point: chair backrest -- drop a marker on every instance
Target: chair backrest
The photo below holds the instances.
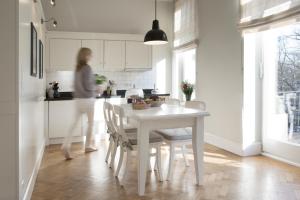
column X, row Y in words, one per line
column 171, row 101
column 196, row 105
column 118, row 122
column 108, row 116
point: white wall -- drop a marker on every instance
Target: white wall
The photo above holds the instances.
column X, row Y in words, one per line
column 31, row 101
column 219, row 70
column 8, row 100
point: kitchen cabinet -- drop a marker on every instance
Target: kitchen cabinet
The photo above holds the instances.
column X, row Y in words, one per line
column 63, row 54
column 111, row 54
column 62, row 114
column 138, row 56
column 97, row 48
column 114, row 55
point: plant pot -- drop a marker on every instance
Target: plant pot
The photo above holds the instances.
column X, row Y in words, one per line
column 188, row 97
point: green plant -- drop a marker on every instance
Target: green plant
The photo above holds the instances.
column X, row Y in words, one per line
column 188, row 89
column 100, row 79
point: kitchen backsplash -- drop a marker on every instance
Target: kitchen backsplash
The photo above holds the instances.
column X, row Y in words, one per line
column 124, row 80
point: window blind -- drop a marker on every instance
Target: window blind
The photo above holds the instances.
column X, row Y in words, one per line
column 185, row 22
column 260, row 12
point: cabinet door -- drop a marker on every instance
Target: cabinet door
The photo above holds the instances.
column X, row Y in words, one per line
column 97, row 48
column 138, row 55
column 62, row 115
column 63, row 54
column 114, row 55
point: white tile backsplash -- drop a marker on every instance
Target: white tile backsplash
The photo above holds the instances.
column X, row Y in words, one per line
column 124, row 80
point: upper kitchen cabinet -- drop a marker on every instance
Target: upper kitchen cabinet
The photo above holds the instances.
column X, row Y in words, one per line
column 63, row 54
column 114, row 55
column 97, row 48
column 138, row 56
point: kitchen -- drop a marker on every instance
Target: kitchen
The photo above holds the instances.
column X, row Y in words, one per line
column 184, row 101
column 119, row 58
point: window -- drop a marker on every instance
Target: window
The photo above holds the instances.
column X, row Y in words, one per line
column 185, row 43
column 184, row 70
column 276, row 55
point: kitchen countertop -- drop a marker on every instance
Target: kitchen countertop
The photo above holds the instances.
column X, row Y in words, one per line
column 66, row 96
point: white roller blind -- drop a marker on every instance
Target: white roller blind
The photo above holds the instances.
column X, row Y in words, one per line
column 185, row 22
column 257, row 12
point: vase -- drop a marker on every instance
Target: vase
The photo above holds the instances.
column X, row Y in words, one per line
column 188, row 97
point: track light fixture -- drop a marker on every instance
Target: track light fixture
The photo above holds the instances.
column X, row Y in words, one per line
column 54, row 22
column 52, row 2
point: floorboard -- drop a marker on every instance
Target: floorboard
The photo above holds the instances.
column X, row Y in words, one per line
column 227, row 177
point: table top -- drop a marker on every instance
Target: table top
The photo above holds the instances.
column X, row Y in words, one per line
column 165, row 111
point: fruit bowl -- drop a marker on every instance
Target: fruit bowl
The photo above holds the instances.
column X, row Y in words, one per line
column 140, row 106
column 156, row 103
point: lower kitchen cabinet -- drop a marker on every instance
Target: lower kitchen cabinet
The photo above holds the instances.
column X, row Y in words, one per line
column 62, row 114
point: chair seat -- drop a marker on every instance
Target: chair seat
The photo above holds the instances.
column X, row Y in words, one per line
column 128, row 128
column 176, row 134
column 153, row 138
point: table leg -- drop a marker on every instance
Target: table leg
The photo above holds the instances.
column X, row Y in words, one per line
column 198, row 148
column 143, row 156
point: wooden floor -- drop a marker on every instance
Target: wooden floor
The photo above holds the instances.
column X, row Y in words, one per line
column 227, row 176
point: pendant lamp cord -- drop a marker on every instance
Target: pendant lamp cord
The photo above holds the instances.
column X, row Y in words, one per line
column 155, row 8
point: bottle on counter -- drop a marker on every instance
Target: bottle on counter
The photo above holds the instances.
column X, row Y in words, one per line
column 50, row 91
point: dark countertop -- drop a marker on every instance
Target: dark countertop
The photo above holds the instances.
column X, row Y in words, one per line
column 66, row 96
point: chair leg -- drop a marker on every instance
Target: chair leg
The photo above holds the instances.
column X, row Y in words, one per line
column 171, row 159
column 120, row 162
column 149, row 164
column 109, row 150
column 155, row 164
column 158, row 163
column 183, row 149
column 113, row 154
column 149, row 161
column 128, row 161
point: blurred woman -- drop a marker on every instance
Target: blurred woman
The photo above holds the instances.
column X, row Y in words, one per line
column 85, row 94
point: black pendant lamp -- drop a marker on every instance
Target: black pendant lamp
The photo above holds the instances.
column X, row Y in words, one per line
column 155, row 36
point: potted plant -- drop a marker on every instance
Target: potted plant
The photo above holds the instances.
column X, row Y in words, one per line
column 101, row 83
column 187, row 89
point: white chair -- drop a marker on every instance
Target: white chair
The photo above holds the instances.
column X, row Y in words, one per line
column 113, row 140
column 172, row 101
column 128, row 143
column 179, row 137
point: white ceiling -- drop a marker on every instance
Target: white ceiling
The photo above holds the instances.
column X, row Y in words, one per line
column 106, row 16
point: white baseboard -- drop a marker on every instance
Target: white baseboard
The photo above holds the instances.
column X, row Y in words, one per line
column 233, row 147
column 253, row 149
column 280, row 159
column 223, row 144
column 61, row 140
column 31, row 183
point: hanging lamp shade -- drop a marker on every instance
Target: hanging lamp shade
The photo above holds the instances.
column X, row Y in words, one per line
column 155, row 36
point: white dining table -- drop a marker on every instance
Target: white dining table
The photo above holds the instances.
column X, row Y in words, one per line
column 167, row 117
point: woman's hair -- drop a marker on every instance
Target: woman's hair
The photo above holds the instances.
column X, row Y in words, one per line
column 82, row 58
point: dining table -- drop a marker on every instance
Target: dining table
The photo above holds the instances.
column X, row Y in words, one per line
column 166, row 117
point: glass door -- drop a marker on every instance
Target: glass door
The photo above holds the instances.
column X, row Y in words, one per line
column 281, row 92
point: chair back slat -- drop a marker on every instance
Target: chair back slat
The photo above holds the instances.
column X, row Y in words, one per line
column 173, row 101
column 108, row 114
column 196, row 105
column 118, row 123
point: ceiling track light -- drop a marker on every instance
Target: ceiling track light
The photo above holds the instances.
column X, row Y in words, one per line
column 52, row 3
column 54, row 22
